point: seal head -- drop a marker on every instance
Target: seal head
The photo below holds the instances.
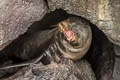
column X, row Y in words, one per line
column 76, row 37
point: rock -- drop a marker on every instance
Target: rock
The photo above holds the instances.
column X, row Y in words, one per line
column 16, row 16
column 66, row 70
column 104, row 13
column 105, row 62
column 117, row 50
column 101, row 56
column 116, row 72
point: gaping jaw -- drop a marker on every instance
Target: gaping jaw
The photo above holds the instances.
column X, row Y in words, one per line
column 69, row 34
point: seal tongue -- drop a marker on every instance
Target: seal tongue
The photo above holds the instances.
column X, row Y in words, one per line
column 69, row 34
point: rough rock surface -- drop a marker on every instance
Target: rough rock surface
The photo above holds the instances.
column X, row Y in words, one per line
column 101, row 55
column 16, row 16
column 116, row 72
column 104, row 13
column 66, row 70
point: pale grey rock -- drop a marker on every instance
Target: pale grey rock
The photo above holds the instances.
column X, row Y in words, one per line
column 104, row 13
column 66, row 70
column 116, row 72
column 16, row 16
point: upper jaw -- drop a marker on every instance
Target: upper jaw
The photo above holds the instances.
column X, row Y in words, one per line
column 70, row 35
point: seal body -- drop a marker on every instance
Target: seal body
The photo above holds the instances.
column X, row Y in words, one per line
column 29, row 46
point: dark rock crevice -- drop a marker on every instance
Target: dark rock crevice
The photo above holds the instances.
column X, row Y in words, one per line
column 100, row 54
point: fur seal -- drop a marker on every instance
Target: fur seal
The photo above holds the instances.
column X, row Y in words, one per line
column 71, row 40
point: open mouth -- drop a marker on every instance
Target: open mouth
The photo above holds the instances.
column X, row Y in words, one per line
column 70, row 35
